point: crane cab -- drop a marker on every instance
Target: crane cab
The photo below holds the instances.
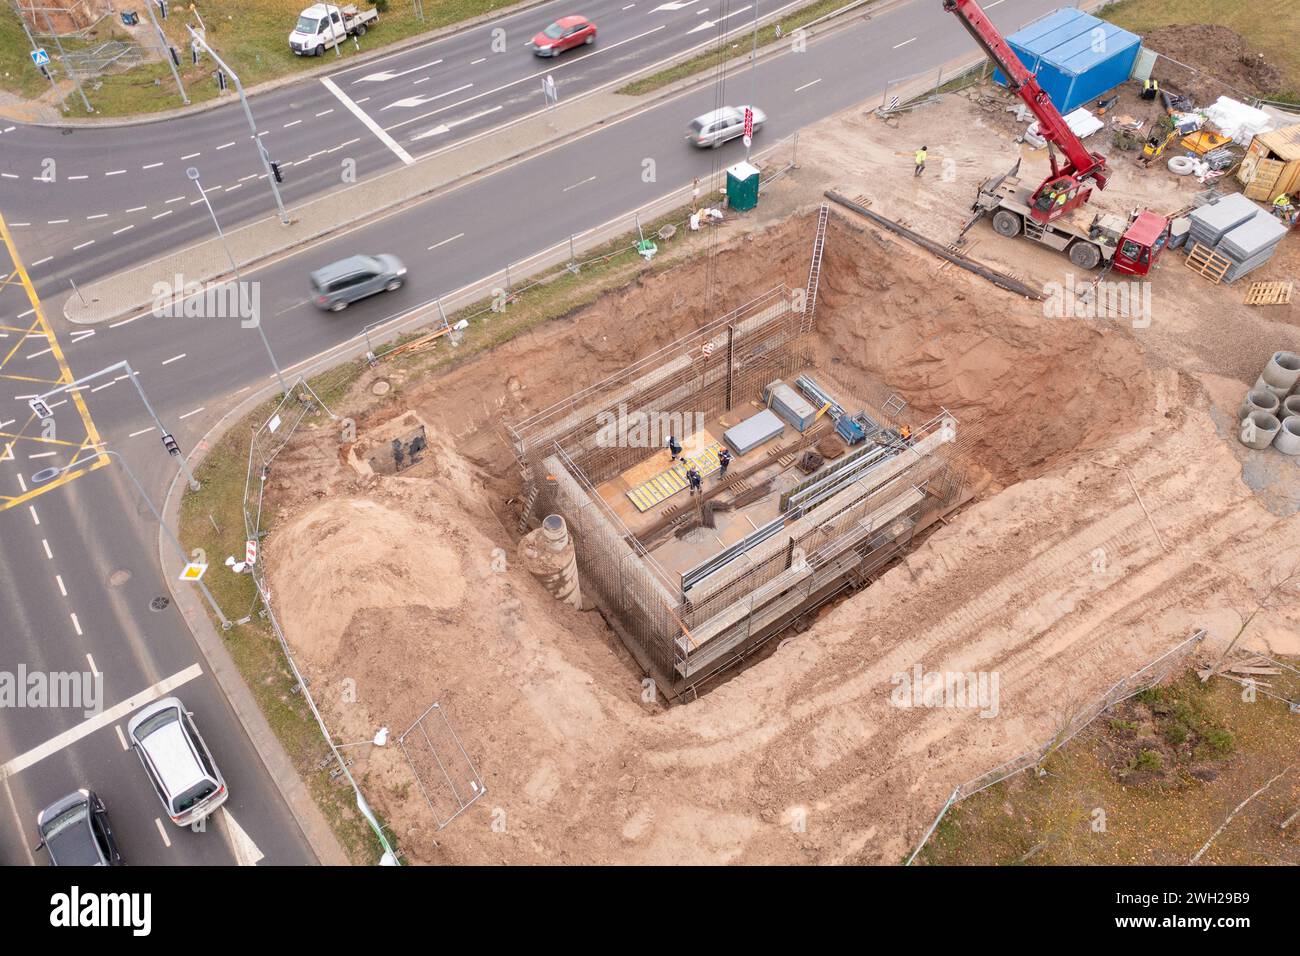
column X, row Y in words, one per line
column 1141, row 244
column 1058, row 196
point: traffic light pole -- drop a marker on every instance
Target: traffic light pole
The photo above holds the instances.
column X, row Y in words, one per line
column 167, row 52
column 252, row 124
column 168, row 442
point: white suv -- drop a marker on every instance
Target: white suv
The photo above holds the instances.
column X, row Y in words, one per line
column 177, row 761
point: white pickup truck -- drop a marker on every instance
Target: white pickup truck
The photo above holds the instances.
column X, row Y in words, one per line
column 323, row 25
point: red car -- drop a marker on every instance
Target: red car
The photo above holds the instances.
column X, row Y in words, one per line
column 564, row 34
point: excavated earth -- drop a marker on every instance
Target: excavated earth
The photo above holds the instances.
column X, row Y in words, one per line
column 1063, row 576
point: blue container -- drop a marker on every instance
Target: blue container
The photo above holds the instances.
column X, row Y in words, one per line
column 1076, row 57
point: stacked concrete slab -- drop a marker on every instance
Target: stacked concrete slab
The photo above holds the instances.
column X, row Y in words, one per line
column 1239, row 230
column 1251, row 244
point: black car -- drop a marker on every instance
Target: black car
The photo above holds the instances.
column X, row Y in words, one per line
column 75, row 831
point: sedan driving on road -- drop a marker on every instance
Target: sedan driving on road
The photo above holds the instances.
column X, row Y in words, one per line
column 564, row 34
column 341, row 283
column 75, row 831
column 714, row 129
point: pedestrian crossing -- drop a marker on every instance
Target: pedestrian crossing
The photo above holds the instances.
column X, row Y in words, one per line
column 672, row 480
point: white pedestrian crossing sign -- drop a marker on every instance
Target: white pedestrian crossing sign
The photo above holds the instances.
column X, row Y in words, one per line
column 40, row 57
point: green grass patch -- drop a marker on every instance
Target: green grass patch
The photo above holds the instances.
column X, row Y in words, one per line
column 1271, row 32
column 738, row 49
column 1147, row 784
column 250, row 35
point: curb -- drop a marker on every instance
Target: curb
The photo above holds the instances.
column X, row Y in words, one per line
column 380, row 208
column 286, row 777
column 268, row 86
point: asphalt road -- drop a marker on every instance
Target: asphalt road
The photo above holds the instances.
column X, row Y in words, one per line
column 108, row 193
column 195, row 369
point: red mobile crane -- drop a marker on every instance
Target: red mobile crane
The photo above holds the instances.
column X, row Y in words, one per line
column 1052, row 214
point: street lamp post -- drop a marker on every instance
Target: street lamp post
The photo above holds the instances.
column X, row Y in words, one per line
column 131, row 376
column 49, row 474
column 193, row 173
column 252, row 124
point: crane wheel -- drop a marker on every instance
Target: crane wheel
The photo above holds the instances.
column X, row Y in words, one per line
column 1006, row 223
column 1085, row 255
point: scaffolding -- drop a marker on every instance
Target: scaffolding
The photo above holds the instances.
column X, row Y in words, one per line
column 841, row 528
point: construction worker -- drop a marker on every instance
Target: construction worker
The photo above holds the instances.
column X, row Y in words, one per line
column 695, row 480
column 1283, row 207
column 920, row 160
column 905, row 433
column 674, row 448
column 1150, row 88
column 724, row 459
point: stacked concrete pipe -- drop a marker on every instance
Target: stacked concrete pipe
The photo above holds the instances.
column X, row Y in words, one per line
column 1280, row 374
column 1266, row 427
column 1288, row 436
column 1259, row 400
column 1290, row 406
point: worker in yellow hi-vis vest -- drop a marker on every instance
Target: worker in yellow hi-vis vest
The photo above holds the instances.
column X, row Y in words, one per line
column 920, row 160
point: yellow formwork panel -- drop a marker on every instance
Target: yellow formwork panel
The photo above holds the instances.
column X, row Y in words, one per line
column 672, row 480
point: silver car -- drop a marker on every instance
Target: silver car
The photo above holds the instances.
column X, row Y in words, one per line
column 177, row 761
column 715, row 128
column 341, row 283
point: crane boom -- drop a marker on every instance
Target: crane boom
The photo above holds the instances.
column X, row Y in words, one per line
column 1081, row 164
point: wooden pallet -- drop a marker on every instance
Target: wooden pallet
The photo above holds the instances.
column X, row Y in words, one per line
column 1269, row 293
column 1205, row 261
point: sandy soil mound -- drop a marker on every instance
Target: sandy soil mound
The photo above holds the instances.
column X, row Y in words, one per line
column 1220, row 52
column 348, row 558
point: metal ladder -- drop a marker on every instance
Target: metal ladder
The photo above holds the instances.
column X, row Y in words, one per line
column 815, row 270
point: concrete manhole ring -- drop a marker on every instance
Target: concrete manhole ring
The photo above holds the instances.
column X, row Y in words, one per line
column 119, row 577
column 160, row 604
column 381, row 386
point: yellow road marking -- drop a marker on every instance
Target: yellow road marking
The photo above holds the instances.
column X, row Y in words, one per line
column 65, row 378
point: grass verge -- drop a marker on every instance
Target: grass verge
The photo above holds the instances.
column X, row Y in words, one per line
column 1146, row 783
column 738, row 50
column 213, row 518
column 250, row 35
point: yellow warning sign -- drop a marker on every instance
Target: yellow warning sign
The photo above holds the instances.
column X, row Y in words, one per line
column 193, row 571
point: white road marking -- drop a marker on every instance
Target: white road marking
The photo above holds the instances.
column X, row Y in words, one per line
column 325, row 112
column 82, row 335
column 113, row 325
column 800, row 89
column 481, row 59
column 174, row 358
column 35, row 516
column 91, row 661
column 98, row 215
column 576, row 185
column 115, row 172
column 40, row 353
column 143, row 431
column 100, row 388
column 631, row 5
column 242, row 847
column 62, row 590
column 338, row 147
column 370, row 124
column 445, row 241
column 248, row 177
column 167, row 213
column 76, row 623
column 386, row 75
column 48, row 553
column 14, row 175
column 137, row 208
column 118, row 232
column 423, row 79
column 188, row 414
column 990, row 6
column 55, row 222
column 231, row 189
column 162, row 832
column 121, row 737
column 711, row 23
column 191, row 155
column 99, row 721
column 904, row 43
column 83, row 245
column 411, row 101
column 448, row 127
column 173, row 199
column 674, row 6
column 151, row 166
column 294, row 123
column 79, row 177
column 226, row 145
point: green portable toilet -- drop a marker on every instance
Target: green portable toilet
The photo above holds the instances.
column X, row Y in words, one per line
column 742, row 187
